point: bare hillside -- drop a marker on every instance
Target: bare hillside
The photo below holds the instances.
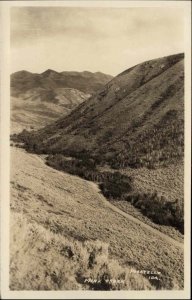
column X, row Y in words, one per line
column 38, row 107
column 38, row 99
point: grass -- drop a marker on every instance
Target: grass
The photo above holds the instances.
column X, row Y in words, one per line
column 167, row 182
column 156, row 147
column 162, row 210
column 43, row 260
column 72, row 207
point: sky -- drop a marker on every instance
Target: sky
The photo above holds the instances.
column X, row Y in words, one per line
column 109, row 40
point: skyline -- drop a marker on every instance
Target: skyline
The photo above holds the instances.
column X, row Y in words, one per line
column 108, row 40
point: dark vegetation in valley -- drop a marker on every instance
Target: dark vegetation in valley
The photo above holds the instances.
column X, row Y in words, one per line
column 159, row 146
column 113, row 185
column 120, row 187
column 159, row 209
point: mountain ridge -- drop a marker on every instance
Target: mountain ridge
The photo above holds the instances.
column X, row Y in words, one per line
column 134, row 104
column 25, row 80
column 38, row 99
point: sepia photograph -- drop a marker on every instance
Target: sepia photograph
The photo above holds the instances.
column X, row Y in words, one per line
column 97, row 114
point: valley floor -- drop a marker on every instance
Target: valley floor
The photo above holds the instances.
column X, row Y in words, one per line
column 62, row 207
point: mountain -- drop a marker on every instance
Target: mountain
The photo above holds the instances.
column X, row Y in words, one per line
column 128, row 139
column 135, row 120
column 38, row 99
column 86, row 82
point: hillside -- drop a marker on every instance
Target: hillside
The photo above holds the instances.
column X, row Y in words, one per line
column 121, row 157
column 64, row 231
column 38, row 99
column 38, row 107
column 136, row 120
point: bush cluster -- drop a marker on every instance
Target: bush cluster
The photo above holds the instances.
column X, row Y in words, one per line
column 113, row 185
column 159, row 209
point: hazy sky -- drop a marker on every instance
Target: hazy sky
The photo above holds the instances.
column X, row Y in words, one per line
column 109, row 40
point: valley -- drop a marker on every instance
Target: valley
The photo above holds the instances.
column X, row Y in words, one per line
column 104, row 180
column 61, row 206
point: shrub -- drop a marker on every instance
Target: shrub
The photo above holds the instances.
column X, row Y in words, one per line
column 158, row 209
column 116, row 186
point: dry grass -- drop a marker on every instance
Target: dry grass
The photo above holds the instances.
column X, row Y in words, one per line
column 168, row 182
column 74, row 208
column 42, row 260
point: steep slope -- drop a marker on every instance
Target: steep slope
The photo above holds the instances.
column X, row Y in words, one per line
column 59, row 223
column 135, row 120
column 133, row 124
column 38, row 99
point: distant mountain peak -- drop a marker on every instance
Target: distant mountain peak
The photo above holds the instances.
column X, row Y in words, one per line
column 49, row 72
column 86, row 81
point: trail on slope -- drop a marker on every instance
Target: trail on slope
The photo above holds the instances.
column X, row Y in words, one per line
column 144, row 225
column 119, row 211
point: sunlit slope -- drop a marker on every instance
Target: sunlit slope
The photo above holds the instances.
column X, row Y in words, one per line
column 74, row 208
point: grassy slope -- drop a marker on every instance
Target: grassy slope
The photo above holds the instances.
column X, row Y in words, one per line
column 73, row 208
column 43, row 260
